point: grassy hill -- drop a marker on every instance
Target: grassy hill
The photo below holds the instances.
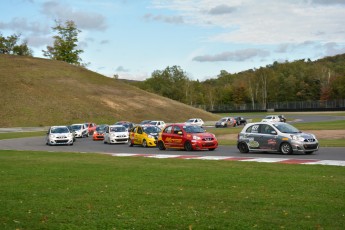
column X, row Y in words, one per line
column 41, row 92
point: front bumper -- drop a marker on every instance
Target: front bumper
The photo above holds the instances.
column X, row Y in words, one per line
column 199, row 145
column 304, row 147
column 60, row 141
column 118, row 140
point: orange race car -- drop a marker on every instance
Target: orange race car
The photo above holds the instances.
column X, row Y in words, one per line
column 98, row 134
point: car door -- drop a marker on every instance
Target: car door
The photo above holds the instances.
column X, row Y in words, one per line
column 139, row 136
column 167, row 136
column 267, row 138
column 177, row 137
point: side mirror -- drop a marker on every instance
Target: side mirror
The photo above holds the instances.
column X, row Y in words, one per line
column 274, row 132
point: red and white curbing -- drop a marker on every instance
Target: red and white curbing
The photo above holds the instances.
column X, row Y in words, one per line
column 245, row 159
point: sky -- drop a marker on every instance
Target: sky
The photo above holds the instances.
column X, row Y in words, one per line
column 133, row 38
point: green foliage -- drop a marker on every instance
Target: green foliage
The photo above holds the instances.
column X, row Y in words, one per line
column 65, row 43
column 300, row 80
column 9, row 45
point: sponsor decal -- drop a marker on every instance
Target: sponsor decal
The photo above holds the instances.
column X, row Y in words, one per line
column 285, row 138
column 253, row 144
column 171, row 140
column 272, row 142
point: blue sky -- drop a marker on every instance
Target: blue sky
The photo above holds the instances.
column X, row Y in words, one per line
column 133, row 38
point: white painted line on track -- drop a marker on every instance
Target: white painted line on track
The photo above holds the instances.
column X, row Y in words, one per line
column 229, row 158
column 214, row 158
column 162, row 156
column 267, row 160
column 326, row 162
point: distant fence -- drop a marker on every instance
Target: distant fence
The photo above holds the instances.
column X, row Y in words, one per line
column 332, row 105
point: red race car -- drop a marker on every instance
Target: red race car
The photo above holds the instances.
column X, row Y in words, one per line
column 187, row 137
column 91, row 127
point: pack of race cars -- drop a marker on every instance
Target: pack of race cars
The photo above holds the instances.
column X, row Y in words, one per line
column 265, row 136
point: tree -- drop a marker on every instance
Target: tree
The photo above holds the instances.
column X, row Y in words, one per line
column 172, row 82
column 10, row 45
column 65, row 43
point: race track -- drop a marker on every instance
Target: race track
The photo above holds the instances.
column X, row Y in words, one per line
column 330, row 156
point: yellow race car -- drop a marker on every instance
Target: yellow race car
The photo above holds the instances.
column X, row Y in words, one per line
column 144, row 135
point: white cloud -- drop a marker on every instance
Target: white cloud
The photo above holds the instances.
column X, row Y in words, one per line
column 239, row 55
column 266, row 21
column 83, row 19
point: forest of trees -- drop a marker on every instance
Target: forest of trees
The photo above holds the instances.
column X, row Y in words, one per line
column 300, row 80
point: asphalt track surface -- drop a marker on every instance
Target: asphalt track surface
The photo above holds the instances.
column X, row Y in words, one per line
column 87, row 145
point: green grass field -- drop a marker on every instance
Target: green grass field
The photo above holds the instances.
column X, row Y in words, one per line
column 44, row 190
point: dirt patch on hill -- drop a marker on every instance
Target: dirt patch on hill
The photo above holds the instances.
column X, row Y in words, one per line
column 320, row 134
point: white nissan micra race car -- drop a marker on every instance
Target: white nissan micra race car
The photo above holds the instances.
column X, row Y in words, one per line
column 116, row 134
column 59, row 135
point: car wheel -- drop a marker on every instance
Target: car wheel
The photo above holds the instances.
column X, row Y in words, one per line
column 243, row 147
column 310, row 152
column 188, row 146
column 130, row 143
column 212, row 149
column 226, row 125
column 285, row 148
column 144, row 144
column 161, row 145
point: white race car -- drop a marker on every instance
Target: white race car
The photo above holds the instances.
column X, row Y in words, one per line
column 116, row 134
column 80, row 130
column 59, row 135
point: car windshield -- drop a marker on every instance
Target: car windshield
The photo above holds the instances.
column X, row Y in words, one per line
column 223, row 119
column 59, row 130
column 76, row 127
column 268, row 117
column 118, row 129
column 100, row 128
column 190, row 120
column 151, row 129
column 286, row 128
column 153, row 123
column 193, row 129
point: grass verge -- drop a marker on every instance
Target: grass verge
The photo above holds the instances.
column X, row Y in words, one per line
column 12, row 135
column 44, row 190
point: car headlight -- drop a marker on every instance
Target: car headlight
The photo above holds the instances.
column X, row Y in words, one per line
column 297, row 138
column 196, row 138
column 222, row 123
column 52, row 136
column 150, row 136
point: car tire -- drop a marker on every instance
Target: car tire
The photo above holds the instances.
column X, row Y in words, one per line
column 188, row 146
column 144, row 144
column 212, row 149
column 160, row 145
column 310, row 152
column 243, row 147
column 285, row 148
column 130, row 143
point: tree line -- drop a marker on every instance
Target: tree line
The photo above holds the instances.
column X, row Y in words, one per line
column 300, row 80
column 64, row 47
